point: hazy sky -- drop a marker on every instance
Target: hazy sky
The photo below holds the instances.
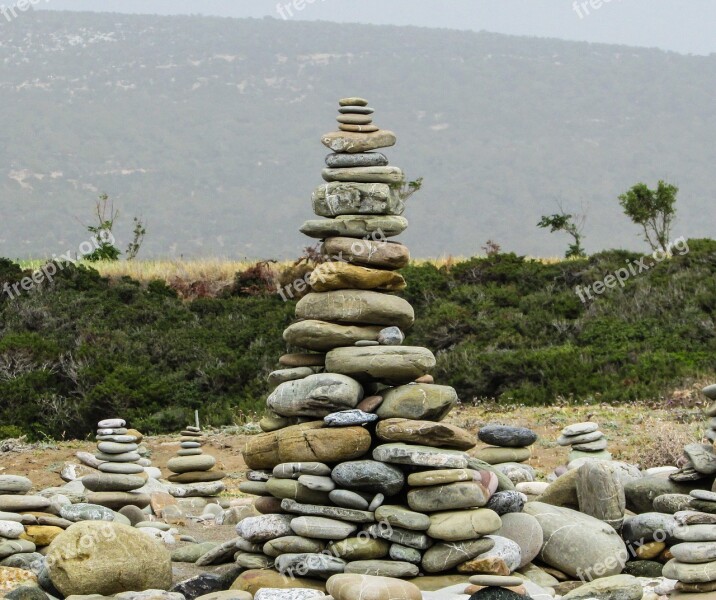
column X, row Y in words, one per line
column 681, row 25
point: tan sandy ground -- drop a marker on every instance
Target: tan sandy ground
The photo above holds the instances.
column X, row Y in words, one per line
column 636, row 432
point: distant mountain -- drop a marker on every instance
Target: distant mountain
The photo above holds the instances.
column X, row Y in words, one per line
column 209, row 128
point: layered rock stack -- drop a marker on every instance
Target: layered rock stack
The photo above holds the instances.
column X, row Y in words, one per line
column 710, row 392
column 356, row 471
column 694, row 554
column 586, row 442
column 121, row 468
column 508, row 448
column 191, row 465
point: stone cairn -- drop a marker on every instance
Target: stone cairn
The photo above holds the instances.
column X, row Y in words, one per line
column 710, row 392
column 355, row 460
column 586, row 442
column 191, row 465
column 508, row 449
column 121, row 467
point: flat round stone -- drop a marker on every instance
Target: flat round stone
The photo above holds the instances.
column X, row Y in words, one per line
column 182, row 464
column 369, row 476
column 14, row 484
column 580, row 428
column 350, row 128
column 121, row 468
column 111, row 424
column 189, row 452
column 353, row 101
column 495, row 580
column 348, row 418
column 383, row 568
column 357, row 110
column 507, row 436
column 703, row 495
column 354, row 119
column 125, row 457
column 365, row 159
column 116, row 448
column 294, row 469
column 355, row 226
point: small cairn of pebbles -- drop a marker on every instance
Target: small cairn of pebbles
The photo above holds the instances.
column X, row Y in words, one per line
column 121, row 467
column 191, row 465
column 694, row 551
column 710, row 392
column 586, row 442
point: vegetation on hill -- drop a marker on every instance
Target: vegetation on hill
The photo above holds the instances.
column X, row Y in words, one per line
column 208, row 129
column 84, row 347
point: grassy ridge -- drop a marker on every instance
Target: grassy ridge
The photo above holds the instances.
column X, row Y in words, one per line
column 504, row 328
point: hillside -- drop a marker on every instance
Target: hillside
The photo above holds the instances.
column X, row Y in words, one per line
column 503, row 329
column 209, row 129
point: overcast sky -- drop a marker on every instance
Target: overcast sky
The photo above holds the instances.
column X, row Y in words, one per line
column 685, row 26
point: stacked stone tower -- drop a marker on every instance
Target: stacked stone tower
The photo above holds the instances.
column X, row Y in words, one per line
column 356, row 471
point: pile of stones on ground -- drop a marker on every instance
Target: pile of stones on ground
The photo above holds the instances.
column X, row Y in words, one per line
column 359, row 488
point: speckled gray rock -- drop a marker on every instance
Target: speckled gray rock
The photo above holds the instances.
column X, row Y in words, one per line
column 369, row 476
column 263, row 528
column 341, row 198
column 507, row 436
column 690, row 573
column 364, row 159
column 315, row 396
column 355, row 226
column 86, row 512
column 506, row 550
column 584, row 438
column 695, row 533
column 276, row 378
column 364, row 175
column 355, row 143
column 507, row 502
column 19, row 503
column 420, row 456
column 319, row 483
column 355, row 306
column 391, row 336
column 672, row 503
column 349, row 418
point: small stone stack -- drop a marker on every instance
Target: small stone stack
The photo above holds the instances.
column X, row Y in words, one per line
column 494, row 586
column 121, row 468
column 710, row 392
column 191, row 465
column 694, row 554
column 586, row 442
column 698, row 462
column 356, row 473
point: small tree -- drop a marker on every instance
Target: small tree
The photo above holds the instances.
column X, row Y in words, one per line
column 654, row 210
column 138, row 238
column 570, row 225
column 106, row 217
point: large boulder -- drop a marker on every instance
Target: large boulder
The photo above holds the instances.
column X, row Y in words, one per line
column 578, row 544
column 94, row 557
column 315, row 396
column 356, row 306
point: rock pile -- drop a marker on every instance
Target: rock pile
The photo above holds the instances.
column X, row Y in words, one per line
column 357, row 472
column 586, row 442
column 191, row 465
column 710, row 392
column 121, row 468
column 508, row 448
